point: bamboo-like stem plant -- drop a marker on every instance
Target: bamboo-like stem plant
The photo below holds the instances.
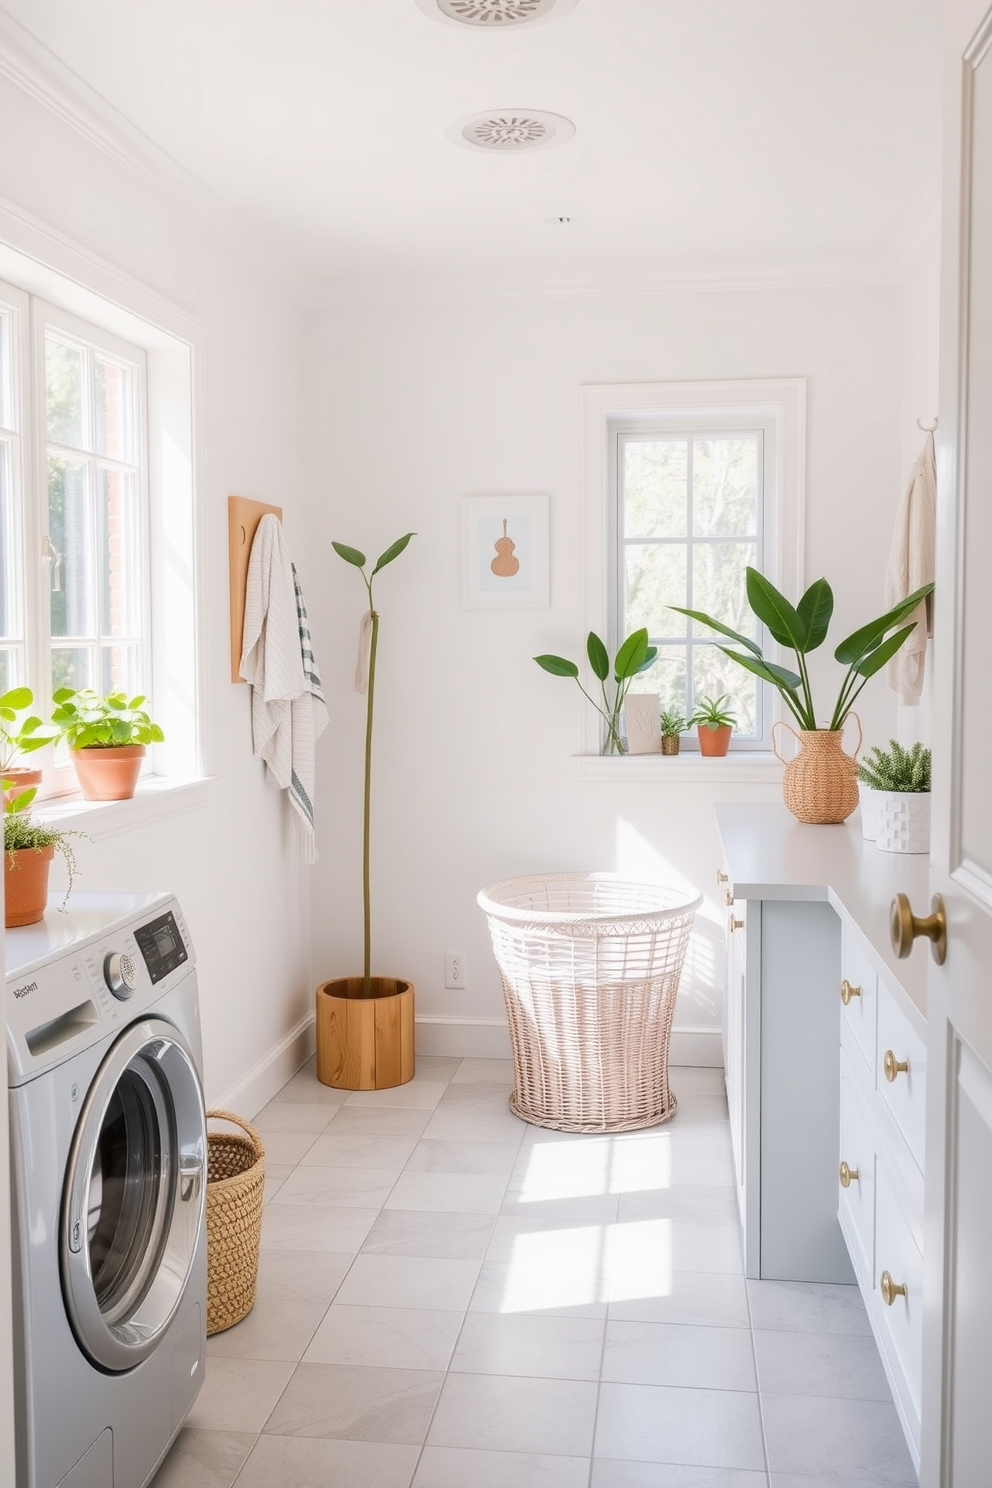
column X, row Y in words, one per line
column 634, row 656
column 358, row 560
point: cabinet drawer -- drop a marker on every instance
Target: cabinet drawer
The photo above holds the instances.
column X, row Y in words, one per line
column 900, row 1075
column 901, row 1320
column 859, row 996
column 856, row 1195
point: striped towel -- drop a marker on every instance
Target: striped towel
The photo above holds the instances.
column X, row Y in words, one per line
column 288, row 708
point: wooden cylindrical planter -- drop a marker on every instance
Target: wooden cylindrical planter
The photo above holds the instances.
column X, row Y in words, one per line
column 365, row 1043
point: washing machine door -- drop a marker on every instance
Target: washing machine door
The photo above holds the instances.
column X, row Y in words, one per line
column 132, row 1206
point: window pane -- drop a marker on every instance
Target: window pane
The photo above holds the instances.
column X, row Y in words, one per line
column 114, row 406
column 719, row 587
column 6, row 386
column 666, row 677
column 64, row 392
column 725, row 487
column 654, row 486
column 655, row 577
column 714, row 673
column 7, row 670
column 72, row 600
column 117, row 524
column 8, row 579
column 119, row 669
column 72, row 666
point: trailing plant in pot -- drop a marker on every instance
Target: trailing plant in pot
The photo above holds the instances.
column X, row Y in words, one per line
column 20, row 737
column 107, row 736
column 634, row 656
column 365, row 1025
column 896, row 797
column 672, row 726
column 819, row 784
column 28, row 850
column 713, row 724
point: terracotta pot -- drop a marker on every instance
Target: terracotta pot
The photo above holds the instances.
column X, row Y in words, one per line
column 669, row 743
column 365, row 1043
column 23, row 779
column 108, row 772
column 25, row 884
column 714, row 741
column 820, row 784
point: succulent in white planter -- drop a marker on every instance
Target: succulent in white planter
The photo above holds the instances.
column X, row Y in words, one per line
column 895, row 797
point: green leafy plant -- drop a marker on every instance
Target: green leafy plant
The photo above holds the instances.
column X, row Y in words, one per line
column 802, row 628
column 710, row 712
column 896, row 768
column 22, row 736
column 358, row 560
column 88, row 721
column 633, row 657
column 21, row 831
column 672, row 723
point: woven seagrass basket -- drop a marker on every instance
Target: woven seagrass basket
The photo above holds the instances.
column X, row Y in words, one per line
column 235, row 1184
column 820, row 785
column 590, row 966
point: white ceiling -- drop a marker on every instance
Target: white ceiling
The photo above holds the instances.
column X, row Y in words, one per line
column 714, row 140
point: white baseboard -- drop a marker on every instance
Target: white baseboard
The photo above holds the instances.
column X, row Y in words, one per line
column 696, row 1046
column 270, row 1074
column 464, row 1038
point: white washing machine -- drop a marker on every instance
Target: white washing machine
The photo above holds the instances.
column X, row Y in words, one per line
column 108, row 1187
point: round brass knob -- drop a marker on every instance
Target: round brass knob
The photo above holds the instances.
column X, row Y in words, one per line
column 721, row 877
column 904, row 927
column 736, row 924
column 890, row 1289
column 848, row 1175
column 847, row 992
column 894, row 1066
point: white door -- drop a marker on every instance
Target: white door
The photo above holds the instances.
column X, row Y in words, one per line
column 957, row 1419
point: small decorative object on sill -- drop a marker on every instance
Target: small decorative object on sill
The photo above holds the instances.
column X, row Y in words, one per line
column 28, row 851
column 634, row 656
column 107, row 738
column 672, row 726
column 641, row 715
column 899, row 780
column 713, row 724
column 803, row 628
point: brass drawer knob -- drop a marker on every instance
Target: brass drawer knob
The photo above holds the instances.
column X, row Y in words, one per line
column 848, row 1175
column 736, row 924
column 721, row 877
column 847, row 992
column 890, row 1289
column 894, row 1066
column 904, row 927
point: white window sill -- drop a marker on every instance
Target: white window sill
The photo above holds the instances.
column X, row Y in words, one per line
column 754, row 768
column 157, row 797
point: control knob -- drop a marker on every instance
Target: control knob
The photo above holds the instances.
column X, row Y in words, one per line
column 120, row 974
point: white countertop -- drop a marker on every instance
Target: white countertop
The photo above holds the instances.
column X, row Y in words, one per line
column 771, row 855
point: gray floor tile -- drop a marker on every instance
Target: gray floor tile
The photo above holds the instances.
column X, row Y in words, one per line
column 204, row 1459
column 310, row 1462
column 496, row 1413
column 463, row 1467
column 857, row 1441
column 702, row 1428
column 374, row 1405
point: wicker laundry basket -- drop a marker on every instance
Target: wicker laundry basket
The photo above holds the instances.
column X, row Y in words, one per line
column 590, row 966
column 235, row 1184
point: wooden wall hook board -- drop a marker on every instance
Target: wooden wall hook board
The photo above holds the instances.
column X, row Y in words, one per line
column 243, row 517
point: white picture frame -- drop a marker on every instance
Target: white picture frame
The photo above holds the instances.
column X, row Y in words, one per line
column 505, row 552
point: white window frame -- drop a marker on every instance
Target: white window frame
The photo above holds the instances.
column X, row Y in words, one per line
column 777, row 407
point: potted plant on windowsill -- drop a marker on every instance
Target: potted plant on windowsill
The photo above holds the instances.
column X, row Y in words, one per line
column 20, row 737
column 713, row 724
column 365, row 1025
column 673, row 725
column 28, row 850
column 107, row 736
column 633, row 657
column 819, row 784
column 895, row 798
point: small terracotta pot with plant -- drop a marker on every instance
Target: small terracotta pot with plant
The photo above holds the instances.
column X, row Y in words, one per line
column 713, row 724
column 673, row 725
column 28, row 851
column 107, row 736
column 20, row 736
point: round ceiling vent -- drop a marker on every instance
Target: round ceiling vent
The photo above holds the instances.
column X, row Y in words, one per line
column 511, row 131
column 494, row 15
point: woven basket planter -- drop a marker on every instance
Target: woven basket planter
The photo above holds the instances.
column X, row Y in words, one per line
column 820, row 784
column 590, row 966
column 235, row 1185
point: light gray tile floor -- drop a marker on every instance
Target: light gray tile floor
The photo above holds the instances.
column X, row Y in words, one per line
column 451, row 1298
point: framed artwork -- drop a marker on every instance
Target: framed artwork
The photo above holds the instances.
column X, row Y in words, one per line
column 505, row 555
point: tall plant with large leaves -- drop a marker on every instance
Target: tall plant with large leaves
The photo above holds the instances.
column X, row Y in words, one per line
column 358, row 560
column 803, row 628
column 634, row 656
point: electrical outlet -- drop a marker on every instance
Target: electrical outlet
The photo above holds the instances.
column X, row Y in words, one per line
column 454, row 969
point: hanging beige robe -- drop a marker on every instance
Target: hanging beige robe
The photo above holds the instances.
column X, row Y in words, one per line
column 911, row 565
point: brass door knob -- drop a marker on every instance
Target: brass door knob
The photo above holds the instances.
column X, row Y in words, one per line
column 847, row 992
column 721, row 877
column 893, row 1066
column 735, row 924
column 848, row 1175
column 890, row 1289
column 904, row 927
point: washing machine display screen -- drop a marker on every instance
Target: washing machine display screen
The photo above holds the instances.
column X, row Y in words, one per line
column 161, row 945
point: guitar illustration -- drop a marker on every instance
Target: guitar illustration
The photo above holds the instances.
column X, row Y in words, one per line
column 504, row 565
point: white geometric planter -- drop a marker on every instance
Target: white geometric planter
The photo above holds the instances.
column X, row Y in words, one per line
column 903, row 821
column 868, row 799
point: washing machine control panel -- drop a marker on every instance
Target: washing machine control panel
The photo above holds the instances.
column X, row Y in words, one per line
column 161, row 945
column 120, row 974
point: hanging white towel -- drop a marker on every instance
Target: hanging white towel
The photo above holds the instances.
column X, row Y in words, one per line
column 288, row 710
column 911, row 565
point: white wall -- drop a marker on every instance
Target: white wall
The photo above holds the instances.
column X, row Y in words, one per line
column 232, row 863
column 418, row 402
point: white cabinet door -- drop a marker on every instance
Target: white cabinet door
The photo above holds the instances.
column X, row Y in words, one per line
column 957, row 1351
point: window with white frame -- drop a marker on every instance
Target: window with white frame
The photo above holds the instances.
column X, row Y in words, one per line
column 702, row 481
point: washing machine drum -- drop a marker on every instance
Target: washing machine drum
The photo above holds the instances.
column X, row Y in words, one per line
column 132, row 1207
